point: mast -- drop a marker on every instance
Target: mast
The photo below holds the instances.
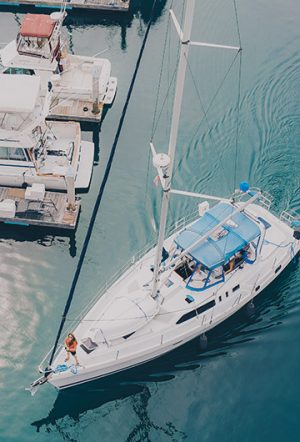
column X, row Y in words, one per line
column 185, row 36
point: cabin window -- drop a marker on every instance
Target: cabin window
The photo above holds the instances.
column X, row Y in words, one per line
column 220, row 298
column 205, row 307
column 187, row 316
column 278, row 268
column 128, row 336
column 19, row 71
column 257, row 288
column 197, row 311
column 226, row 294
column 236, row 288
column 12, row 153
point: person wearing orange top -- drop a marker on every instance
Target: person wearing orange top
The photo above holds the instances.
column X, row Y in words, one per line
column 70, row 346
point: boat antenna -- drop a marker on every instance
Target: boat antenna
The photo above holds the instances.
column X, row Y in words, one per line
column 166, row 162
column 101, row 192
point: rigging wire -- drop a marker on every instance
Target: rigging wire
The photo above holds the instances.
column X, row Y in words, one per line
column 237, row 123
column 160, row 76
column 154, row 116
column 239, row 95
column 170, row 84
column 102, row 187
column 205, row 112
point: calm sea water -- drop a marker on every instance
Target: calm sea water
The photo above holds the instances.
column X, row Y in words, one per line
column 246, row 386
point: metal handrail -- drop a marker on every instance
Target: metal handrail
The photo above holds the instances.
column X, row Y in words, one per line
column 289, row 216
column 264, row 200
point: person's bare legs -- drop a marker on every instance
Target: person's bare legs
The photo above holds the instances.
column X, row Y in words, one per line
column 76, row 360
column 67, row 357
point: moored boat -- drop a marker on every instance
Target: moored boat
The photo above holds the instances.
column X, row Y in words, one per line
column 33, row 150
column 40, row 50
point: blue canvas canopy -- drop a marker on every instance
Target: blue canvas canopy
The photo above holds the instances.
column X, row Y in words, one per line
column 226, row 242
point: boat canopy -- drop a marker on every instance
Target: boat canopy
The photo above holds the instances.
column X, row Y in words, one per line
column 37, row 25
column 225, row 242
column 19, row 93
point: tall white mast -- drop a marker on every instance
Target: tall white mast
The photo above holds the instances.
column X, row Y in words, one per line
column 185, row 36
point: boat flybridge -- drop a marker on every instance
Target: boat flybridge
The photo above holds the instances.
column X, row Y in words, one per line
column 33, row 150
column 39, row 50
column 196, row 277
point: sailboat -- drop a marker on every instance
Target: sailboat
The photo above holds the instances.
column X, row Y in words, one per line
column 195, row 278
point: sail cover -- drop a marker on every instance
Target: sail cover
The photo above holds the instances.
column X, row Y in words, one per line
column 222, row 244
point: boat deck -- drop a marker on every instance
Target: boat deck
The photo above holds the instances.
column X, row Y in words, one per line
column 74, row 110
column 104, row 5
column 51, row 212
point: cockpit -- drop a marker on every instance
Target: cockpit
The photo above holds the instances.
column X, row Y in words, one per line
column 37, row 38
column 215, row 249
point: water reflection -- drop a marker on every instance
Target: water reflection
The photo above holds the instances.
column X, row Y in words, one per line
column 10, row 234
column 138, row 385
column 79, row 18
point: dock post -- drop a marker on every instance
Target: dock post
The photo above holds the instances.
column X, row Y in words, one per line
column 96, row 75
column 70, row 183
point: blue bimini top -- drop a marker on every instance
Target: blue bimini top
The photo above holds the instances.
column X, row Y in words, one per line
column 218, row 248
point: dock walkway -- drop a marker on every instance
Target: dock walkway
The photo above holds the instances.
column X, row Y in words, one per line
column 104, row 5
column 51, row 212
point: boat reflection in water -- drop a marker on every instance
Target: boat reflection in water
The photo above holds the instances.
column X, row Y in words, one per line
column 76, row 18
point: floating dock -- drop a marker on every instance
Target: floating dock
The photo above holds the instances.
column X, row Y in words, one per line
column 74, row 110
column 104, row 5
column 51, row 212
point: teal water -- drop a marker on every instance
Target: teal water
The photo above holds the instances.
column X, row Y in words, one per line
column 246, row 386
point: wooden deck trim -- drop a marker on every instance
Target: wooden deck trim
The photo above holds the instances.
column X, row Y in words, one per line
column 73, row 111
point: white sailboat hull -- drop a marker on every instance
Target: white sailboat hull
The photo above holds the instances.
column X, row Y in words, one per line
column 161, row 334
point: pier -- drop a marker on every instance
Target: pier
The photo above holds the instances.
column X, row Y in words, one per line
column 51, row 212
column 104, row 5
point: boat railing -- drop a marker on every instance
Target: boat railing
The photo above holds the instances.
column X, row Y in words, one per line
column 183, row 222
column 43, row 366
column 289, row 217
column 265, row 199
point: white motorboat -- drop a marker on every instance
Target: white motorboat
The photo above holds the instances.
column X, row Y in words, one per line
column 197, row 277
column 39, row 50
column 33, row 150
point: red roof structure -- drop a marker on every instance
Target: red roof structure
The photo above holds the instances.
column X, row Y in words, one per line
column 37, row 25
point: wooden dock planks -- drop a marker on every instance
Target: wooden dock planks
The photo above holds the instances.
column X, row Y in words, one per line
column 104, row 5
column 51, row 212
column 74, row 110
